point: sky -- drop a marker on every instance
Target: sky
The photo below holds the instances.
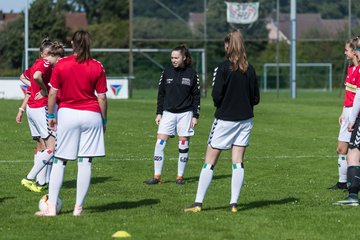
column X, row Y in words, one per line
column 14, row 5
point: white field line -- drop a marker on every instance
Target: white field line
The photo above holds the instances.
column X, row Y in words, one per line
column 192, row 157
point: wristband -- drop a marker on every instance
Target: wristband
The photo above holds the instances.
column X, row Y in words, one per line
column 21, row 109
column 51, row 116
column 104, row 122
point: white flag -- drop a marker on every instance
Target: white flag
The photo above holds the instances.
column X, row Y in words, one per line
column 243, row 13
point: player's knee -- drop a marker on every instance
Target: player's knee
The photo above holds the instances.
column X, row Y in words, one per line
column 341, row 150
column 160, row 144
column 183, row 146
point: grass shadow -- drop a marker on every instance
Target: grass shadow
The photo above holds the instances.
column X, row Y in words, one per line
column 258, row 204
column 5, row 198
column 196, row 178
column 95, row 180
column 123, row 205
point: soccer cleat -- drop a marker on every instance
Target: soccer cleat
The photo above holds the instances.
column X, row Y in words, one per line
column 27, row 183
column 152, row 181
column 36, row 187
column 349, row 201
column 78, row 211
column 180, row 181
column 233, row 207
column 196, row 207
column 338, row 185
column 49, row 212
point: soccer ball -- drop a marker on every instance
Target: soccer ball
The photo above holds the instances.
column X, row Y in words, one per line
column 43, row 203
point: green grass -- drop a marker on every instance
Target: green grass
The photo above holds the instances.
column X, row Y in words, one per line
column 289, row 163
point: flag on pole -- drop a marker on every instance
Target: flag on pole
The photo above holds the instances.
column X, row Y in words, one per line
column 243, row 13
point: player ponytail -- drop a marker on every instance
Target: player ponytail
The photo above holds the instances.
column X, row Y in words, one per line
column 81, row 44
column 57, row 49
column 236, row 52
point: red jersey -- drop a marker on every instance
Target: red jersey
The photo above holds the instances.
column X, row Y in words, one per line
column 43, row 66
column 78, row 83
column 352, row 82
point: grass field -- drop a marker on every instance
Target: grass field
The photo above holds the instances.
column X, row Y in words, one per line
column 289, row 164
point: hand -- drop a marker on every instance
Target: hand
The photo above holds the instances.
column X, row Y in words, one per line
column 193, row 122
column 351, row 126
column 52, row 124
column 19, row 117
column 40, row 94
column 341, row 119
column 158, row 119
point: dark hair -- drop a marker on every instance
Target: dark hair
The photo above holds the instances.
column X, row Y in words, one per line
column 57, row 49
column 184, row 52
column 45, row 43
column 81, row 44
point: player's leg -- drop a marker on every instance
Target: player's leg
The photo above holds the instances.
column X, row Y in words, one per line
column 241, row 141
column 353, row 171
column 184, row 131
column 56, row 180
column 342, row 150
column 237, row 177
column 165, row 130
column 183, row 159
column 206, row 175
column 82, row 183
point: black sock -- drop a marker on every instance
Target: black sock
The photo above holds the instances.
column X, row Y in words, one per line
column 353, row 176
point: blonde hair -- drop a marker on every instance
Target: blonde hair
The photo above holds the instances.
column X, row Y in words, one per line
column 235, row 51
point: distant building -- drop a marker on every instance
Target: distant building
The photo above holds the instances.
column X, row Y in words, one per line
column 5, row 18
column 309, row 26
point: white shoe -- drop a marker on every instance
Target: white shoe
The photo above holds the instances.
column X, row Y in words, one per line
column 78, row 211
column 49, row 212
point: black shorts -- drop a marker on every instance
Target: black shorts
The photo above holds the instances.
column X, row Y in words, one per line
column 355, row 135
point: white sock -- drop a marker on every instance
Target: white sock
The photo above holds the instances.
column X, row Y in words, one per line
column 48, row 172
column 183, row 157
column 56, row 180
column 204, row 182
column 159, row 156
column 237, row 180
column 83, row 180
column 342, row 168
column 41, row 160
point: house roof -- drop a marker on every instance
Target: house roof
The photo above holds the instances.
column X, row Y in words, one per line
column 76, row 20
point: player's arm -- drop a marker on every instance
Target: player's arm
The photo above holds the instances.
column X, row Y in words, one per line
column 254, row 87
column 25, row 80
column 218, row 87
column 51, row 108
column 22, row 109
column 355, row 110
column 160, row 97
column 196, row 96
column 103, row 107
column 39, row 80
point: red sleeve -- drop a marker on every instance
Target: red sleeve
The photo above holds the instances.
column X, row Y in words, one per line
column 26, row 73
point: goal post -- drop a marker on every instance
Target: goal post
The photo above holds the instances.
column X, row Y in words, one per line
column 267, row 66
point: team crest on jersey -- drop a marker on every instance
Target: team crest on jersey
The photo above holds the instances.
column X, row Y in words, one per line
column 186, row 81
column 116, row 88
column 24, row 88
column 169, row 80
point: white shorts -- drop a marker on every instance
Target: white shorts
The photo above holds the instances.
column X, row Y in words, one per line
column 37, row 119
column 225, row 134
column 344, row 134
column 176, row 122
column 79, row 134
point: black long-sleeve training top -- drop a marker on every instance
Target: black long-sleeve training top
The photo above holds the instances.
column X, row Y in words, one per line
column 179, row 91
column 234, row 93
